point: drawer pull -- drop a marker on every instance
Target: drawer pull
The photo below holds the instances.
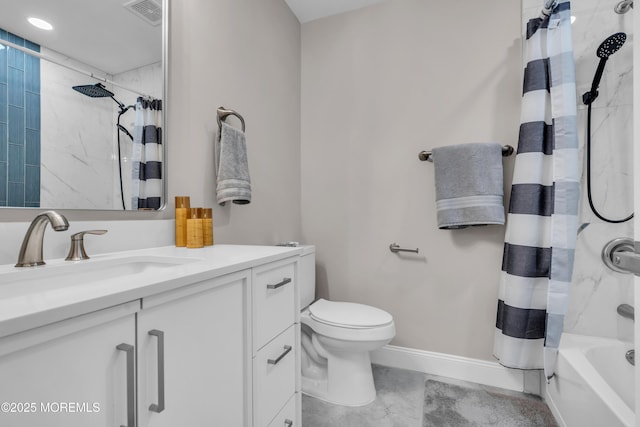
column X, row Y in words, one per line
column 131, row 383
column 277, row 285
column 287, row 349
column 288, row 423
column 159, row 407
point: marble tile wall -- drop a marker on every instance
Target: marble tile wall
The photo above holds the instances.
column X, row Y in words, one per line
column 77, row 145
column 596, row 290
column 79, row 139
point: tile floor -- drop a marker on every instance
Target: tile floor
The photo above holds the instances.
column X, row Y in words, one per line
column 413, row 399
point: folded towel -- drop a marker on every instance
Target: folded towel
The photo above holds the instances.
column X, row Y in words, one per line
column 232, row 168
column 468, row 180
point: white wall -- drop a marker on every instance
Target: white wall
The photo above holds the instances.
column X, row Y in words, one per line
column 244, row 55
column 378, row 86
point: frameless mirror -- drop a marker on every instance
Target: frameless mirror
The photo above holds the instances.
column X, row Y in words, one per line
column 81, row 113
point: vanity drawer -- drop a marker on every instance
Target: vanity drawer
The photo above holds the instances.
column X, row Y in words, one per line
column 287, row 416
column 274, row 376
column 273, row 301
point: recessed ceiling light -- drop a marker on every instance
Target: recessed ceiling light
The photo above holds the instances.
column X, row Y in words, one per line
column 40, row 23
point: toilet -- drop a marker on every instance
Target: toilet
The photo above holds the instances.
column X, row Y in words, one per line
column 336, row 340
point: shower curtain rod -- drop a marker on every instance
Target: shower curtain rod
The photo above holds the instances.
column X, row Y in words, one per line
column 69, row 67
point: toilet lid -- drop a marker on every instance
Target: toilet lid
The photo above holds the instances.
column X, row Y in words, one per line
column 348, row 314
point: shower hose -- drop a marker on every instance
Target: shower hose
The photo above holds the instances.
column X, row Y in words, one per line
column 593, row 208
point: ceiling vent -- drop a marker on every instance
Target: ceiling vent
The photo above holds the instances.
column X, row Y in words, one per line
column 150, row 11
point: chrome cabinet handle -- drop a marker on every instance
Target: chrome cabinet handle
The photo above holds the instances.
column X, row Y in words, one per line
column 131, row 378
column 160, row 406
column 288, row 423
column 277, row 285
column 287, row 349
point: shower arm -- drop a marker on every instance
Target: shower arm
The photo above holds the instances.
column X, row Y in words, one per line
column 120, row 104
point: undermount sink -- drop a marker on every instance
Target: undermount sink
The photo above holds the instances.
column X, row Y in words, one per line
column 21, row 282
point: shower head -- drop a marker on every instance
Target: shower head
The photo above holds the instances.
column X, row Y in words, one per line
column 611, row 45
column 94, row 91
column 624, row 6
column 607, row 48
column 99, row 91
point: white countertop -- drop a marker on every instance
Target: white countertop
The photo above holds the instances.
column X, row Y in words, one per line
column 26, row 305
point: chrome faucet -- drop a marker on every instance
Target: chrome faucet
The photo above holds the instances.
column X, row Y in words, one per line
column 31, row 250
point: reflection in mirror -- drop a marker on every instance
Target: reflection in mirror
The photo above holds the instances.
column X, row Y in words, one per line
column 81, row 105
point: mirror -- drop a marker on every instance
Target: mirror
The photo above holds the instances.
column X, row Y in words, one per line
column 81, row 113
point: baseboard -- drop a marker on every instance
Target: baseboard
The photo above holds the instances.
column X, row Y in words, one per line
column 554, row 410
column 451, row 366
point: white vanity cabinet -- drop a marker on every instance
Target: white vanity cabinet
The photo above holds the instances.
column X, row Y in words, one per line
column 276, row 397
column 70, row 373
column 199, row 336
column 215, row 344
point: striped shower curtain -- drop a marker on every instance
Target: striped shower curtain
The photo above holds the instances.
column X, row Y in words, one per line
column 542, row 220
column 146, row 185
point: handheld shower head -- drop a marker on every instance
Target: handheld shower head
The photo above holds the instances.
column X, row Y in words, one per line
column 611, row 45
column 607, row 48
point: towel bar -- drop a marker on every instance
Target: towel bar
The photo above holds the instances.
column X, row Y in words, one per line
column 507, row 150
column 224, row 112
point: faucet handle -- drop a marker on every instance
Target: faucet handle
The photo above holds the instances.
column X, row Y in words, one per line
column 76, row 251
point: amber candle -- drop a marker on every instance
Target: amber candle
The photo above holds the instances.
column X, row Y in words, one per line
column 182, row 210
column 194, row 228
column 207, row 226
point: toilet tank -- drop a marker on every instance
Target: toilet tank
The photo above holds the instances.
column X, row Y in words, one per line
column 307, row 275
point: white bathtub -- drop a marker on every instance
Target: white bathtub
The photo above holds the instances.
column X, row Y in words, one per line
column 594, row 383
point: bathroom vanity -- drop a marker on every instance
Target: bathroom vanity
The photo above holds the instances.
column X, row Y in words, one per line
column 157, row 337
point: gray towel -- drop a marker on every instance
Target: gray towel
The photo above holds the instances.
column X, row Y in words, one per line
column 232, row 168
column 468, row 180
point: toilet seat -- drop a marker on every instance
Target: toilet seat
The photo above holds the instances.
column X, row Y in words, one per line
column 348, row 314
column 320, row 320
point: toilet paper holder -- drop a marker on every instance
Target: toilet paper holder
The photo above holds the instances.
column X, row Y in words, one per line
column 395, row 248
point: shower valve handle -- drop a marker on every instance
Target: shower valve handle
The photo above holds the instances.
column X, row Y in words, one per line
column 628, row 261
column 622, row 255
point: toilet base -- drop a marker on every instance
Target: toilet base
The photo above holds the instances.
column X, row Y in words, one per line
column 347, row 380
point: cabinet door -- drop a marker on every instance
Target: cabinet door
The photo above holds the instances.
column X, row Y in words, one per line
column 204, row 331
column 69, row 373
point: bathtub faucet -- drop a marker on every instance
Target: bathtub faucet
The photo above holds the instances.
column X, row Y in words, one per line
column 625, row 310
